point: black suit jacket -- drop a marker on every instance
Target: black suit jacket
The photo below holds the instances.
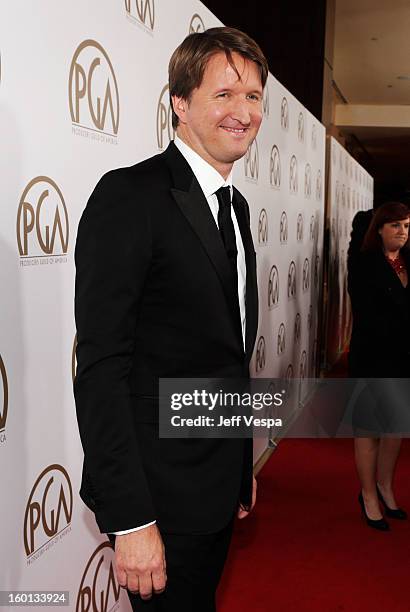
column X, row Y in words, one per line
column 154, row 298
column 380, row 341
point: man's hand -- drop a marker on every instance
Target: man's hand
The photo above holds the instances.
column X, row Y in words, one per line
column 140, row 561
column 243, row 513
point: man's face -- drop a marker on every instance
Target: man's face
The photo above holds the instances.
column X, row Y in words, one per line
column 224, row 113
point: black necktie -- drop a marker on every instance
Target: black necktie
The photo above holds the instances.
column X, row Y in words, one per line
column 226, row 229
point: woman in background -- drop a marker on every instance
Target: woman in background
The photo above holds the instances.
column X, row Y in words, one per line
column 380, row 349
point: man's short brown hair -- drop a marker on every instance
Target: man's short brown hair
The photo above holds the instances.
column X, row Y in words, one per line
column 189, row 60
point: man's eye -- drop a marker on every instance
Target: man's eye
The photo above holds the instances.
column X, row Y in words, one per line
column 254, row 97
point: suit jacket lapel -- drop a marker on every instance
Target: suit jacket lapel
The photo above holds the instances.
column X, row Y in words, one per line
column 385, row 277
column 384, row 273
column 242, row 214
column 193, row 204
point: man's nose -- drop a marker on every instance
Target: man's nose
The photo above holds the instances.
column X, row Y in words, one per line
column 240, row 111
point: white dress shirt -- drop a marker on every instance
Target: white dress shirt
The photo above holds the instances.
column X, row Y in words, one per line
column 210, row 181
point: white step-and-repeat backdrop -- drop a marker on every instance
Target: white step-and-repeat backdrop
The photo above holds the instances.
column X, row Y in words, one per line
column 287, row 196
column 350, row 189
column 83, row 90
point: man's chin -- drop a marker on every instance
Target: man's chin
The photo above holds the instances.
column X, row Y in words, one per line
column 238, row 152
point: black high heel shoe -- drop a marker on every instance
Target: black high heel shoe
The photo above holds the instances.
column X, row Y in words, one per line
column 380, row 524
column 397, row 513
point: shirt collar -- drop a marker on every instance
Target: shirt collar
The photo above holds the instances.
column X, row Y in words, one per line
column 208, row 178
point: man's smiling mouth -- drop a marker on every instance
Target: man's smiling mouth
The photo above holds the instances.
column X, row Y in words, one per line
column 234, row 130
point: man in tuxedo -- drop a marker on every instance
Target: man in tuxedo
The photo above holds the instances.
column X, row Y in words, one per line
column 166, row 287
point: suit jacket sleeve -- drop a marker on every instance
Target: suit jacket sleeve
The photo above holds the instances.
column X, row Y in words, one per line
column 113, row 254
column 360, row 225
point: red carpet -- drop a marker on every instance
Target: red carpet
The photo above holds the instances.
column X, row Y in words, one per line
column 306, row 548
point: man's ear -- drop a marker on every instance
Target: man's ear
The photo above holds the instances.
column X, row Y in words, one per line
column 180, row 106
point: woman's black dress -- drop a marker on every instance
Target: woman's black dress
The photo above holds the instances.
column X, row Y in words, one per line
column 380, row 344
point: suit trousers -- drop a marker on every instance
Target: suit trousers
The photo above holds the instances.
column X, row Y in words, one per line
column 194, row 568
